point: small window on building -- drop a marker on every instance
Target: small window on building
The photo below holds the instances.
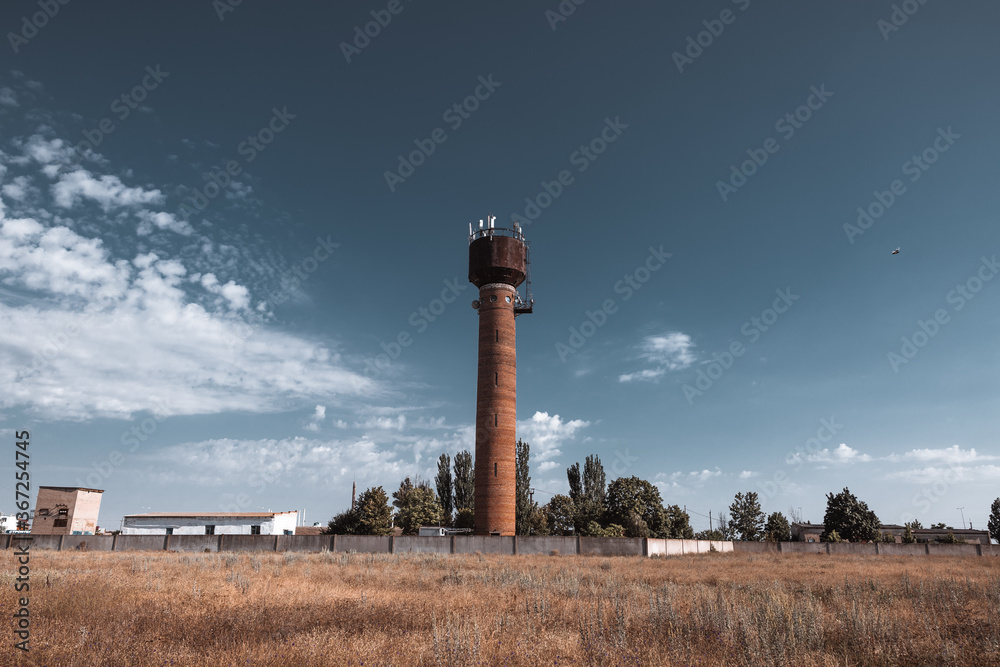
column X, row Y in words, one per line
column 170, row 531
column 289, row 532
column 60, row 523
column 498, row 335
column 496, row 379
column 210, row 530
column 494, row 419
column 494, row 469
column 255, row 530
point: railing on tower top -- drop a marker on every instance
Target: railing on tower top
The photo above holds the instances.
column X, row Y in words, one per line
column 516, row 233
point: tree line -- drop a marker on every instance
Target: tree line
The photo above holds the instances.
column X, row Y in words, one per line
column 847, row 519
column 625, row 507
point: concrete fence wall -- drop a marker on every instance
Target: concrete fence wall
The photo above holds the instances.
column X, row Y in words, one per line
column 467, row 544
column 756, row 547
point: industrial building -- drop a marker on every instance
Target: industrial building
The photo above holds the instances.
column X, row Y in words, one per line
column 211, row 523
column 810, row 532
column 498, row 264
column 66, row 510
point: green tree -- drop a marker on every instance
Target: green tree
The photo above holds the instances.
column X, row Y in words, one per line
column 560, row 514
column 777, row 528
column 587, row 511
column 594, row 529
column 747, row 517
column 465, row 484
column 676, row 524
column 594, row 483
column 591, row 495
column 994, row 523
column 399, row 496
column 908, row 537
column 850, row 518
column 419, row 507
column 524, row 508
column 631, row 495
column 465, row 518
column 575, row 485
column 371, row 516
column 725, row 526
column 938, row 526
column 345, row 523
column 538, row 523
column 709, row 535
column 444, row 487
column 374, row 515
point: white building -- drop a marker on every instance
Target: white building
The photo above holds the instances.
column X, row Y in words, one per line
column 205, row 523
column 441, row 531
column 8, row 524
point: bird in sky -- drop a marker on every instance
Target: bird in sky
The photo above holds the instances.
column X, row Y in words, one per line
column 896, row 251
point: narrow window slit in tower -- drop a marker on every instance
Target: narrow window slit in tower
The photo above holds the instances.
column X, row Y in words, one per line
column 494, row 419
column 498, row 335
column 496, row 379
column 494, row 469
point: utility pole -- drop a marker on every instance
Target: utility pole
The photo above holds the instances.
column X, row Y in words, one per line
column 962, row 510
column 710, row 521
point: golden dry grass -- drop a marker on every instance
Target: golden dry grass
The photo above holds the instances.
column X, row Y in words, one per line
column 285, row 609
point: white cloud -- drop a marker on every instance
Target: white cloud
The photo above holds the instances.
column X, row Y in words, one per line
column 161, row 220
column 693, row 477
column 7, row 97
column 672, row 351
column 842, row 454
column 287, row 461
column 845, row 452
column 383, row 423
column 108, row 191
column 17, row 189
column 59, row 261
column 237, row 296
column 546, row 434
column 319, row 414
column 749, row 474
column 136, row 342
column 948, row 455
column 106, row 324
column 47, row 152
column 948, row 474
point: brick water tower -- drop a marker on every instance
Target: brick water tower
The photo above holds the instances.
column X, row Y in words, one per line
column 498, row 264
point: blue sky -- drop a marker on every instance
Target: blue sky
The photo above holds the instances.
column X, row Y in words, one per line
column 214, row 220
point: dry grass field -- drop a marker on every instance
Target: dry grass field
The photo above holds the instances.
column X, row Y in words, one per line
column 292, row 610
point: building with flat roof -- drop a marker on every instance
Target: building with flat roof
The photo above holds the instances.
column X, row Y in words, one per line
column 211, row 523
column 66, row 510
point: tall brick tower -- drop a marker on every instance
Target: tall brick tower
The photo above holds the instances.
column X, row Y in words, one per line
column 498, row 264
